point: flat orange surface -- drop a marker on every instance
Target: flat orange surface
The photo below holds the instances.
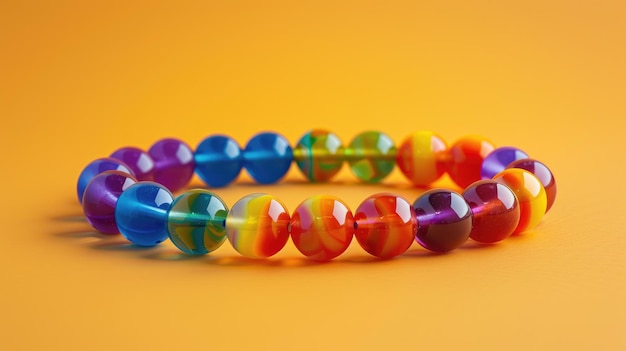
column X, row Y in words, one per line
column 79, row 80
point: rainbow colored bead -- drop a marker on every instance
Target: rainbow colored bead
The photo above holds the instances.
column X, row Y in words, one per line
column 322, row 227
column 319, row 155
column 258, row 226
column 422, row 157
column 196, row 222
column 371, row 156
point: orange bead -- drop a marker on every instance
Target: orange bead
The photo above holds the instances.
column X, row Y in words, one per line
column 466, row 158
column 322, row 227
column 421, row 157
column 530, row 194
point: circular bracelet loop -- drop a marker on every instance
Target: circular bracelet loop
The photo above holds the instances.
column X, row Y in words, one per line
column 505, row 193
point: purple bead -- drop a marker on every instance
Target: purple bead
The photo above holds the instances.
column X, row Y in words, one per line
column 100, row 198
column 173, row 163
column 138, row 160
column 497, row 160
column 96, row 167
column 543, row 173
column 444, row 220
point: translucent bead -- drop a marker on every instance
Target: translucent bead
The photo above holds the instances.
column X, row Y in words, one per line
column 96, row 167
column 141, row 213
column 444, row 220
column 196, row 222
column 385, row 225
column 495, row 210
column 258, row 226
column 267, row 157
column 100, row 198
column 137, row 160
column 218, row 160
column 371, row 156
column 466, row 158
column 322, row 227
column 497, row 160
column 319, row 155
column 543, row 173
column 422, row 157
column 530, row 194
column 173, row 163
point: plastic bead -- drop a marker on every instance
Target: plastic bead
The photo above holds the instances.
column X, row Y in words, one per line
column 499, row 159
column 319, row 155
column 218, row 160
column 444, row 220
column 422, row 157
column 196, row 222
column 267, row 157
column 371, row 156
column 530, row 194
column 141, row 213
column 386, row 225
column 100, row 198
column 322, row 227
column 495, row 211
column 543, row 173
column 466, row 158
column 173, row 163
column 137, row 160
column 96, row 167
column 258, row 226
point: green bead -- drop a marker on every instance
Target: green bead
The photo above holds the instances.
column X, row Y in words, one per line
column 372, row 156
column 319, row 155
column 196, row 222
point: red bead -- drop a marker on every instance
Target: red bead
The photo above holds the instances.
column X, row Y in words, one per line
column 495, row 210
column 322, row 227
column 466, row 158
column 386, row 225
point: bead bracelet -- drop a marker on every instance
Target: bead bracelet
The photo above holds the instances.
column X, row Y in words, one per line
column 130, row 192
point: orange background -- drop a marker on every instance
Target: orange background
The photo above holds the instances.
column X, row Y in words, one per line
column 78, row 79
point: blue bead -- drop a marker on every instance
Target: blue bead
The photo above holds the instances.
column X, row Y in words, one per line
column 218, row 160
column 141, row 213
column 96, row 167
column 267, row 157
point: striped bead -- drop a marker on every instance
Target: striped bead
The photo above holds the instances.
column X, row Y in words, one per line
column 371, row 156
column 530, row 194
column 319, row 154
column 422, row 157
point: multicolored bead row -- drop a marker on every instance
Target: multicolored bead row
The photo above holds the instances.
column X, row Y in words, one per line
column 505, row 193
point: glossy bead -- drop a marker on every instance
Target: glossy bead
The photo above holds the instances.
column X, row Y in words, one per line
column 465, row 159
column 543, row 173
column 495, row 210
column 498, row 159
column 137, row 160
column 267, row 157
column 371, row 156
column 319, row 154
column 385, row 225
column 141, row 213
column 218, row 160
column 422, row 157
column 530, row 194
column 100, row 198
column 258, row 226
column 322, row 227
column 173, row 163
column 96, row 167
column 196, row 222
column 444, row 220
